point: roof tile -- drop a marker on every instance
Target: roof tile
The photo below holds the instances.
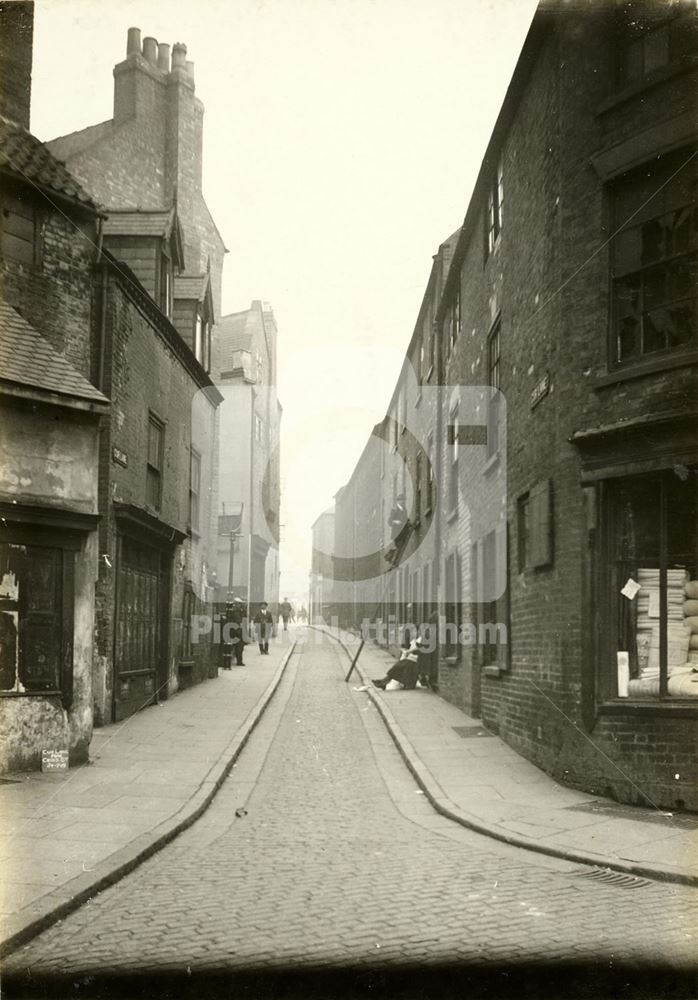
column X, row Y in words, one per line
column 26, row 358
column 24, row 155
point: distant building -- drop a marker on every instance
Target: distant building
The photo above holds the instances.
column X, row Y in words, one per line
column 564, row 541
column 50, row 413
column 249, row 477
column 321, row 575
column 159, row 295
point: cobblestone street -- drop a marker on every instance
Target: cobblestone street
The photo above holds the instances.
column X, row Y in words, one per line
column 320, row 851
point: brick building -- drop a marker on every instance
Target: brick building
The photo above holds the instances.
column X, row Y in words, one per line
column 248, row 564
column 156, row 305
column 320, row 591
column 50, row 415
column 572, row 293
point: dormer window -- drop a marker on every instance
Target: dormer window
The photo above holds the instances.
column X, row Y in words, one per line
column 166, row 284
column 202, row 341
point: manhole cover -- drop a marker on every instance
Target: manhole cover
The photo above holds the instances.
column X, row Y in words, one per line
column 466, row 732
column 610, row 877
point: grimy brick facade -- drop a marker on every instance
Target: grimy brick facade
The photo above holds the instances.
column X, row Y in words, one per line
column 600, row 446
column 157, row 571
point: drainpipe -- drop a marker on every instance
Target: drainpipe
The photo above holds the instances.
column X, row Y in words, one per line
column 251, row 521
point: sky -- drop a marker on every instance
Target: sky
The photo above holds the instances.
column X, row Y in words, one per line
column 342, row 139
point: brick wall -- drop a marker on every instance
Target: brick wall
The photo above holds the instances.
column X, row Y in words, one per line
column 143, row 374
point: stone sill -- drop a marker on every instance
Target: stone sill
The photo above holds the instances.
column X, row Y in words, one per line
column 648, row 83
column 666, row 363
column 681, row 707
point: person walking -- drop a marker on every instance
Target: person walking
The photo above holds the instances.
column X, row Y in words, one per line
column 264, row 624
column 286, row 612
column 237, row 638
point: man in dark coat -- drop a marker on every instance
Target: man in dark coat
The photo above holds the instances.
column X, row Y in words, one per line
column 264, row 623
column 236, row 632
column 286, row 612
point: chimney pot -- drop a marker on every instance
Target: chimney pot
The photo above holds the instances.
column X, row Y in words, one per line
column 133, row 44
column 150, row 50
column 164, row 57
column 190, row 70
column 179, row 56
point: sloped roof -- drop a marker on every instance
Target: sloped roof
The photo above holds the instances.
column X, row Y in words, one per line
column 30, row 160
column 191, row 286
column 147, row 222
column 27, row 359
column 138, row 222
column 236, row 333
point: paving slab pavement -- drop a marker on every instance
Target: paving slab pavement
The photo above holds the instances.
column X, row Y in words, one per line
column 66, row 835
column 476, row 779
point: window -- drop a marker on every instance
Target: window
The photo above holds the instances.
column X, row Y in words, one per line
column 654, row 260
column 535, row 527
column 495, row 201
column 188, row 612
column 166, row 285
column 36, row 619
column 454, row 320
column 418, row 490
column 20, row 237
column 453, row 606
column 194, row 490
column 654, row 35
column 258, row 429
column 493, row 376
column 489, row 569
column 153, row 483
column 431, row 457
column 649, row 588
column 202, row 341
column 426, row 592
column 453, row 464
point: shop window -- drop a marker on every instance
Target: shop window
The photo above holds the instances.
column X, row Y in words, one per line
column 649, row 586
column 20, row 231
column 495, row 204
column 654, row 260
column 36, row 620
column 652, row 36
column 535, row 527
column 153, row 482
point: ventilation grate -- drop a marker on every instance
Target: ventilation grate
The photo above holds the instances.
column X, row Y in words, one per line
column 610, row 877
column 466, row 732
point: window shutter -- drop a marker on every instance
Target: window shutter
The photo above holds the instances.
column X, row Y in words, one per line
column 540, row 510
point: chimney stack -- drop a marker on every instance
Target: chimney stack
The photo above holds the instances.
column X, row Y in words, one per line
column 17, row 31
column 150, row 50
column 164, row 57
column 179, row 56
column 133, row 44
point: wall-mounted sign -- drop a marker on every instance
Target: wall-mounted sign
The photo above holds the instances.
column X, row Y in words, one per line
column 119, row 456
column 540, row 390
column 54, row 760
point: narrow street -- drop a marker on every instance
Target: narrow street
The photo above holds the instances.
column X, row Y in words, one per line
column 320, row 852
